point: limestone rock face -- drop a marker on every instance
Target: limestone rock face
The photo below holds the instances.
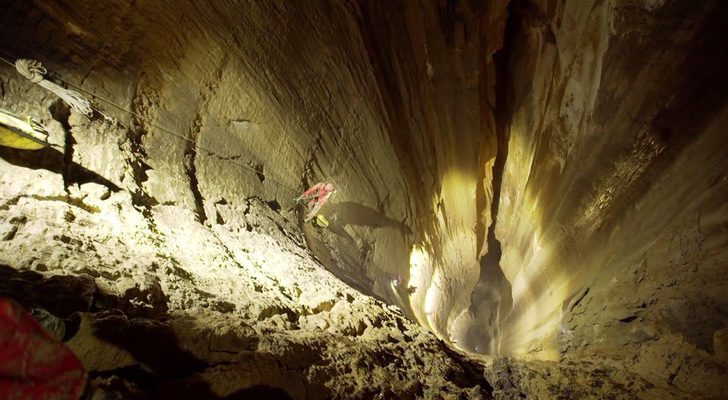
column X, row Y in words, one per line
column 613, row 200
column 538, row 179
column 184, row 310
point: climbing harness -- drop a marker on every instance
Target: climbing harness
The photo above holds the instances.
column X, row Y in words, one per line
column 21, row 134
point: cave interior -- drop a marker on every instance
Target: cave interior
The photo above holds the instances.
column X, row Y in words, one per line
column 531, row 197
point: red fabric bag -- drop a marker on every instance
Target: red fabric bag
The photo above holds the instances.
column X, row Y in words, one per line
column 33, row 364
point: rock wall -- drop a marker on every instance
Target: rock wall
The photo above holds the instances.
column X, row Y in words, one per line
column 178, row 217
column 540, row 178
column 259, row 114
column 612, row 205
column 381, row 99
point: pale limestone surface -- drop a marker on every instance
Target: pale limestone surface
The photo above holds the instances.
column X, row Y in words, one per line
column 595, row 125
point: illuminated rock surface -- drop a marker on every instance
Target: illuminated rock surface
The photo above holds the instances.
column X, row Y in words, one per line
column 545, row 180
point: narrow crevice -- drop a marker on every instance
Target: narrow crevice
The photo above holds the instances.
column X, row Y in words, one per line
column 190, row 151
column 491, row 299
column 502, row 114
column 135, row 134
column 190, row 155
column 139, row 197
column 673, row 375
column 61, row 112
column 68, row 151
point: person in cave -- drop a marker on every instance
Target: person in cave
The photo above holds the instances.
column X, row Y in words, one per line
column 317, row 195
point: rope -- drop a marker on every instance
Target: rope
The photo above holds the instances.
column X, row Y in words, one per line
column 31, row 69
column 34, row 71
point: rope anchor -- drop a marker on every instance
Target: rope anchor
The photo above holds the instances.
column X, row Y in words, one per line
column 35, row 72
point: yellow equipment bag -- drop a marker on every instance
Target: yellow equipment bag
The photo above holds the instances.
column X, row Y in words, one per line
column 19, row 134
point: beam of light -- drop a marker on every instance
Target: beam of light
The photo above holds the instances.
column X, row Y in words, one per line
column 532, row 260
column 420, row 278
column 457, row 268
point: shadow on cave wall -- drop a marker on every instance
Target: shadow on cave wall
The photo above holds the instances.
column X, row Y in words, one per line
column 52, row 160
column 351, row 270
column 317, row 243
column 168, row 371
column 349, row 213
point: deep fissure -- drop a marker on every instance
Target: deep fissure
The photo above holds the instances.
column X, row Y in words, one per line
column 529, row 197
column 492, row 283
column 190, row 155
column 60, row 111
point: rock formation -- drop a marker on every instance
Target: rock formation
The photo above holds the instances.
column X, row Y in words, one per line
column 531, row 196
